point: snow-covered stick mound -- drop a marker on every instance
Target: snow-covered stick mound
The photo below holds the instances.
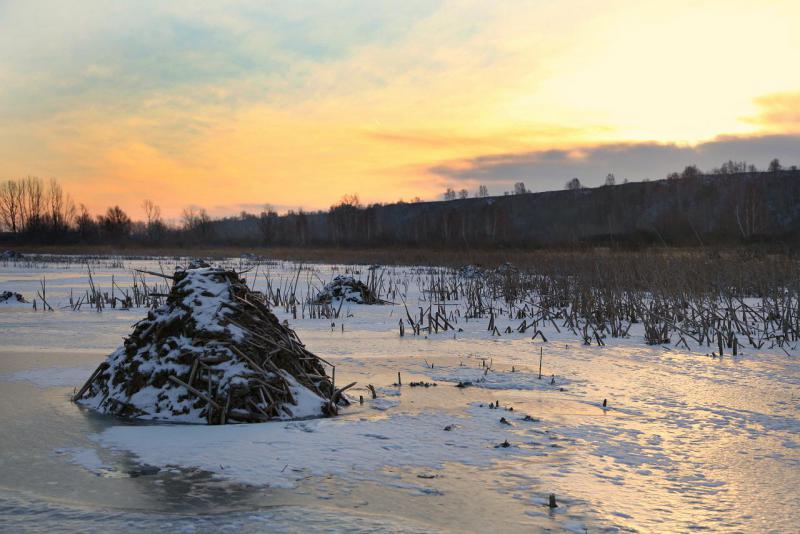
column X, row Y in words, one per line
column 346, row 288
column 212, row 353
column 11, row 297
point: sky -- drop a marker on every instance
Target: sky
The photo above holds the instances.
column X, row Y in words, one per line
column 237, row 105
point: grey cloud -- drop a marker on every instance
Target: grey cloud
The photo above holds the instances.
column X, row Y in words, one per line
column 550, row 169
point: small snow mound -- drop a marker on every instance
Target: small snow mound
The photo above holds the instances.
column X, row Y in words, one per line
column 506, row 268
column 11, row 255
column 10, row 297
column 345, row 287
column 471, row 272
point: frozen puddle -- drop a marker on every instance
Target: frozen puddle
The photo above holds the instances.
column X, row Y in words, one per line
column 282, row 454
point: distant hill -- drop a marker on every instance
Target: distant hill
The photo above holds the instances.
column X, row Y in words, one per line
column 708, row 209
column 729, row 209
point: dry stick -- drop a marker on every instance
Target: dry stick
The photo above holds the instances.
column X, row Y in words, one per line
column 209, row 411
column 224, row 413
column 197, row 392
column 42, row 295
column 194, row 371
column 100, row 368
column 249, row 360
column 162, row 275
column 338, row 393
column 256, row 335
column 541, row 355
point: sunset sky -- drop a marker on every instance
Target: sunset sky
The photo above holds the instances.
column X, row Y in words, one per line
column 239, row 104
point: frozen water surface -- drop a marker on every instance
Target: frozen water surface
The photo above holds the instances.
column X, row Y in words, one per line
column 686, row 442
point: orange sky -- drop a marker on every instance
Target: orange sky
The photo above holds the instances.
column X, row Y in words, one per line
column 295, row 104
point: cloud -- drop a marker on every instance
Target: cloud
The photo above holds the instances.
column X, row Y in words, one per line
column 447, row 139
column 550, row 169
column 779, row 112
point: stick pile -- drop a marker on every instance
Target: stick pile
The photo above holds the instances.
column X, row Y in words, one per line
column 11, row 296
column 214, row 353
column 346, row 288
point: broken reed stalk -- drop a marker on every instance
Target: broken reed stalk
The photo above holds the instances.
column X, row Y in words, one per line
column 541, row 355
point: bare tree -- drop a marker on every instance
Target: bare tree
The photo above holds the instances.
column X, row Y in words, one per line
column 450, row 194
column 351, row 201
column 731, row 167
column 690, row 171
column 10, row 205
column 463, row 194
column 61, row 208
column 519, row 188
column 152, row 212
column 116, row 222
column 611, row 180
column 269, row 210
column 154, row 227
column 774, row 165
column 574, row 184
column 32, row 205
column 195, row 219
column 85, row 223
column 483, row 191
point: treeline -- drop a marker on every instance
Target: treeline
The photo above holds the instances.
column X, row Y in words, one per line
column 690, row 209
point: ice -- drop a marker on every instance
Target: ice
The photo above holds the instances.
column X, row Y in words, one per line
column 687, row 442
column 492, row 379
column 51, row 377
column 383, row 404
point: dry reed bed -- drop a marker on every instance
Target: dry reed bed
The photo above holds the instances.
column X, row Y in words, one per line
column 691, row 299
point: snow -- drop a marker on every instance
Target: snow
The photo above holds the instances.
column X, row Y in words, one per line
column 205, row 296
column 88, row 459
column 308, row 403
column 259, row 454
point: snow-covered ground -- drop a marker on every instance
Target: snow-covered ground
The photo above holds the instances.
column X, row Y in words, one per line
column 685, row 442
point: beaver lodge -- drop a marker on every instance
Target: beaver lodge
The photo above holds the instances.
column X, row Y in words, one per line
column 347, row 289
column 213, row 353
